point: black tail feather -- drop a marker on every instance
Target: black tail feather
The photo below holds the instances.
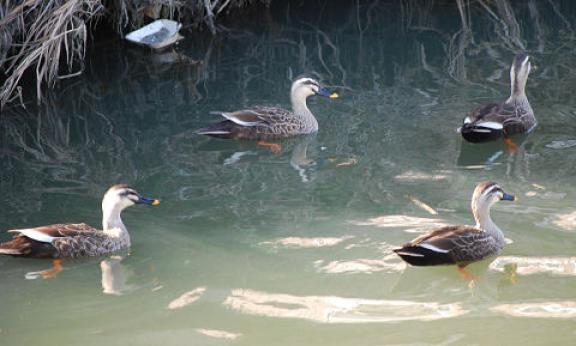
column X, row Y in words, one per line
column 419, row 256
column 224, row 129
column 478, row 134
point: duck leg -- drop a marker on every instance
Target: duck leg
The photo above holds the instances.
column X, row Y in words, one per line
column 510, row 145
column 275, row 147
column 49, row 273
column 466, row 275
column 510, row 270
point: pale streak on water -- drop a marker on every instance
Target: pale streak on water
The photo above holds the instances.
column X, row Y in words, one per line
column 254, row 248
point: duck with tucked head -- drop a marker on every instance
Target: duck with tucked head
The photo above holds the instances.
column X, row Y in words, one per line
column 267, row 123
column 77, row 240
column 461, row 244
column 514, row 116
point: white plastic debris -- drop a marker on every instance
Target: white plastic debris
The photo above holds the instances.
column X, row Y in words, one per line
column 157, row 35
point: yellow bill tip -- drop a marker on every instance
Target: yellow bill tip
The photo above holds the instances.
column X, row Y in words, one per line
column 334, row 96
column 156, row 202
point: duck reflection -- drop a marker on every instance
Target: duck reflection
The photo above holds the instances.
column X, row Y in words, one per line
column 115, row 276
column 524, row 265
column 490, row 153
column 296, row 146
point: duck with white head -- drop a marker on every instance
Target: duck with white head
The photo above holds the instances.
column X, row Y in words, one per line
column 77, row 240
column 263, row 123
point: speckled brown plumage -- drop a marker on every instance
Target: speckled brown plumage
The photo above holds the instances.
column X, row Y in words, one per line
column 464, row 244
column 80, row 239
column 267, row 123
column 71, row 240
column 504, row 119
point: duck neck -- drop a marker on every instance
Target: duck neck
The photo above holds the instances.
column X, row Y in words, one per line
column 517, row 88
column 300, row 109
column 485, row 223
column 113, row 226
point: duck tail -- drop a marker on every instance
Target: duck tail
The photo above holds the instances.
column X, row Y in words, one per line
column 482, row 132
column 12, row 248
column 11, row 252
column 223, row 129
column 420, row 256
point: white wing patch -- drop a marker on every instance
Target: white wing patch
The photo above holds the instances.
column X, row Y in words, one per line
column 467, row 120
column 433, row 248
column 405, row 253
column 240, row 122
column 491, row 125
column 215, row 132
column 34, row 234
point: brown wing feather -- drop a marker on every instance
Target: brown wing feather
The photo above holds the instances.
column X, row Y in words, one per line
column 514, row 119
column 62, row 229
column 458, row 244
column 246, row 117
column 440, row 235
column 21, row 245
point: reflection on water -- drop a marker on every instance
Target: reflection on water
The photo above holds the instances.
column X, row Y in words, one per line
column 187, row 298
column 415, row 176
column 300, row 242
column 331, row 309
column 220, row 334
column 114, row 276
column 566, row 309
column 389, row 264
column 565, row 221
column 413, row 223
column 564, row 266
column 386, row 157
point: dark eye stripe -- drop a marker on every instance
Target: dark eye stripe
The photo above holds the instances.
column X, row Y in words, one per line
column 128, row 192
column 310, row 82
column 492, row 189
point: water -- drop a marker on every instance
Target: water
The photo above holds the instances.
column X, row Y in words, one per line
column 254, row 248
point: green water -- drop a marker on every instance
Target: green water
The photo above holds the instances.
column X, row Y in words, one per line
column 295, row 248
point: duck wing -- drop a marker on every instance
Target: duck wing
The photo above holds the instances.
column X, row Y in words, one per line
column 490, row 116
column 449, row 245
column 257, row 116
column 47, row 241
column 253, row 123
column 501, row 116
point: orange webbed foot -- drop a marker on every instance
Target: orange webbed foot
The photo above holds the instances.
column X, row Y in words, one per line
column 512, row 147
column 52, row 272
column 275, row 147
column 466, row 275
column 49, row 273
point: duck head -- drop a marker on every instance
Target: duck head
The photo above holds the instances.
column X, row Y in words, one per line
column 121, row 196
column 485, row 195
column 304, row 87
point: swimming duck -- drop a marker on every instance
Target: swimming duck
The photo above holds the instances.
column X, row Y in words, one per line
column 514, row 116
column 76, row 240
column 264, row 123
column 461, row 244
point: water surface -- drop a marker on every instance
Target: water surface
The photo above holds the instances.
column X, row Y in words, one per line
column 253, row 248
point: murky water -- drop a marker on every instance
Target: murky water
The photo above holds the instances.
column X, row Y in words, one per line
column 250, row 247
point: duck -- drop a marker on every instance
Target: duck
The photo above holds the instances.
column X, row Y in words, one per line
column 461, row 244
column 79, row 239
column 264, row 123
column 501, row 120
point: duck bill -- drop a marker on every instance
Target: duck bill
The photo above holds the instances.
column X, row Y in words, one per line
column 508, row 197
column 148, row 201
column 326, row 93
